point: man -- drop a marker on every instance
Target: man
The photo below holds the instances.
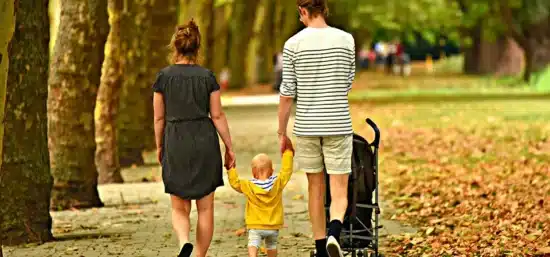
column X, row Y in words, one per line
column 318, row 69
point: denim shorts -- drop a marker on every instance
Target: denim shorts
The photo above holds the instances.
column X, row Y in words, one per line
column 256, row 236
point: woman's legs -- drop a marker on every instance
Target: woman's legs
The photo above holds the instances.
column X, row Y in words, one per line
column 205, row 224
column 180, row 218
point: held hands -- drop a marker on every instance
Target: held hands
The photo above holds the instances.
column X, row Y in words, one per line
column 230, row 161
column 285, row 143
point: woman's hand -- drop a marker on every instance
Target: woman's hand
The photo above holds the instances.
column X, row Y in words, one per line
column 159, row 155
column 230, row 161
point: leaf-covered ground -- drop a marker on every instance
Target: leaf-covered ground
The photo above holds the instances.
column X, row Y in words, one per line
column 474, row 177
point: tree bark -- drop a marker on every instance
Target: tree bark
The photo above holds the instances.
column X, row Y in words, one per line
column 288, row 22
column 207, row 28
column 537, row 56
column 537, row 47
column 471, row 52
column 108, row 96
column 134, row 133
column 534, row 38
column 266, row 48
column 7, row 19
column 73, row 83
column 242, row 30
column 511, row 59
column 164, row 18
column 221, row 31
column 25, row 179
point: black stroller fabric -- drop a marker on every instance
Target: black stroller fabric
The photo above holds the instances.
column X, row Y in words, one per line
column 362, row 184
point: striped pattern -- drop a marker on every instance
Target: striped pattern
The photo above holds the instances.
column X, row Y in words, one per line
column 318, row 69
column 264, row 184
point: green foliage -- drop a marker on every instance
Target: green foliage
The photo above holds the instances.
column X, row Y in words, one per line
column 398, row 17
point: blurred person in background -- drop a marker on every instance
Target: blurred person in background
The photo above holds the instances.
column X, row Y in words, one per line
column 380, row 49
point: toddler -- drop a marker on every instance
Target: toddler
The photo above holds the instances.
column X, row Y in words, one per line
column 264, row 205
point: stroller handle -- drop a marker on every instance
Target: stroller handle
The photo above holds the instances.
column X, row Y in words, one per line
column 376, row 141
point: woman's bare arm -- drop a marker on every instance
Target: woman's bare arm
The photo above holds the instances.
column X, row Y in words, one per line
column 220, row 121
column 158, row 108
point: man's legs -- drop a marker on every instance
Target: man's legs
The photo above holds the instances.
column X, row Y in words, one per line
column 310, row 159
column 337, row 152
column 316, row 204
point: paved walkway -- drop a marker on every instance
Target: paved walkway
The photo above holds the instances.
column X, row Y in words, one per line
column 136, row 219
column 255, row 100
column 136, row 222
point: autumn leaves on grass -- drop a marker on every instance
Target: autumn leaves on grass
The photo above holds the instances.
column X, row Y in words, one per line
column 469, row 190
column 472, row 177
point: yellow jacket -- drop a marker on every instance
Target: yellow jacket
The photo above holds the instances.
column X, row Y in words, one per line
column 264, row 209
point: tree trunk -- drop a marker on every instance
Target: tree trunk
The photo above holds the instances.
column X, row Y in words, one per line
column 106, row 156
column 537, row 56
column 511, row 59
column 490, row 52
column 242, row 30
column 207, row 27
column 266, row 48
column 25, row 179
column 187, row 10
column 221, row 30
column 288, row 22
column 134, row 135
column 164, row 18
column 74, row 79
column 471, row 52
column 7, row 19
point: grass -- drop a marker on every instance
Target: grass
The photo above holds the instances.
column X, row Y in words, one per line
column 476, row 175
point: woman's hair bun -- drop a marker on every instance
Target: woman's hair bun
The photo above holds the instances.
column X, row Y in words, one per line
column 186, row 40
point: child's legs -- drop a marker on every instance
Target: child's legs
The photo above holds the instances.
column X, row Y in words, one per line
column 254, row 242
column 271, row 238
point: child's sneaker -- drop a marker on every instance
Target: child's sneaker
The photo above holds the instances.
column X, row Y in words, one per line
column 333, row 247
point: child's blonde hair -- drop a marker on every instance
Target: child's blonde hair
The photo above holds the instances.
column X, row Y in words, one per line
column 261, row 163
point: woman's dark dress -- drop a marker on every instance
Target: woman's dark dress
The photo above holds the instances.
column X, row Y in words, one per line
column 191, row 160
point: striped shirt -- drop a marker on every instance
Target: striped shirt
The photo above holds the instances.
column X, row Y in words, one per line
column 318, row 69
column 264, row 184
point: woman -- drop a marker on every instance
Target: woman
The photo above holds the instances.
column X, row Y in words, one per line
column 188, row 114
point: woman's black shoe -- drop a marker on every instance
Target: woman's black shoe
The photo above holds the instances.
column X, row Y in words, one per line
column 186, row 250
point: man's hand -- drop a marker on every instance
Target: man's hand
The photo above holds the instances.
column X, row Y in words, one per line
column 285, row 143
column 288, row 145
column 283, row 140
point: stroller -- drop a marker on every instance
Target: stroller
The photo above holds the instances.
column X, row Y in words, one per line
column 359, row 238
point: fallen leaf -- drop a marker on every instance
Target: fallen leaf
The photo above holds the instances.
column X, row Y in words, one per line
column 430, row 230
column 240, row 231
column 298, row 197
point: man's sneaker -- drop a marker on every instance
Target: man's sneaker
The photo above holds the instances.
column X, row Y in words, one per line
column 333, row 248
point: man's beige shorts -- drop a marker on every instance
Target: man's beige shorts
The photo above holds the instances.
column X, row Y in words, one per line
column 330, row 152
